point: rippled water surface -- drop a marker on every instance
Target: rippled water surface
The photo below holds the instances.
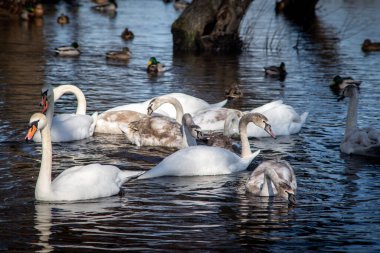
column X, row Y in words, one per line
column 338, row 196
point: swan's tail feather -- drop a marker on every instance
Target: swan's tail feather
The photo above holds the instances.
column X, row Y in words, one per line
column 250, row 158
column 303, row 117
column 219, row 105
column 94, row 120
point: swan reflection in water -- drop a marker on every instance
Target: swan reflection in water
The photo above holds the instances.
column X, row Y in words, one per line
column 49, row 216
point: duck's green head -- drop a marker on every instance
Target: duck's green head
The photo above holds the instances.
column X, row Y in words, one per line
column 75, row 45
column 337, row 80
column 282, row 66
column 152, row 60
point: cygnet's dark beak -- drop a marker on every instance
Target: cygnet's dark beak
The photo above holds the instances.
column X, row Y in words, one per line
column 292, row 199
column 150, row 110
column 268, row 129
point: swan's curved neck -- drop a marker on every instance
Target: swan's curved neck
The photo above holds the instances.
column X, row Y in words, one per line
column 352, row 113
column 270, row 176
column 177, row 105
column 245, row 147
column 43, row 186
column 187, row 138
column 58, row 92
column 230, row 124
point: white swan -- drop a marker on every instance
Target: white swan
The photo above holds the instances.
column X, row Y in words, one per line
column 161, row 130
column 66, row 127
column 205, row 160
column 189, row 104
column 283, row 118
column 273, row 178
column 365, row 141
column 75, row 183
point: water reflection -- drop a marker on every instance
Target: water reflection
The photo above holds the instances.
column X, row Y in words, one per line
column 56, row 220
column 338, row 195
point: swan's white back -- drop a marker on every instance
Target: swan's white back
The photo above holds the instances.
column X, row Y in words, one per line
column 283, row 118
column 88, row 182
column 189, row 103
column 200, row 161
column 70, row 127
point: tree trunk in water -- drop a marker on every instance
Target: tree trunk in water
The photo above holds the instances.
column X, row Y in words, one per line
column 300, row 11
column 211, row 25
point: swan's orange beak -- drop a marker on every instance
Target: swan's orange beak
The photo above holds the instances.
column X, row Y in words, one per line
column 44, row 103
column 31, row 131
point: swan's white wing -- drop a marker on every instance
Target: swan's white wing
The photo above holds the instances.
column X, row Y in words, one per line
column 267, row 106
column 199, row 161
column 90, row 181
column 364, row 142
column 71, row 127
column 283, row 119
column 212, row 119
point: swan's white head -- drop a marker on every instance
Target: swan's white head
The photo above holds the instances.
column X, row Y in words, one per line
column 37, row 122
column 46, row 95
column 155, row 103
column 231, row 123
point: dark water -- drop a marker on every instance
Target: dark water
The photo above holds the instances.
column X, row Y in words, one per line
column 338, row 196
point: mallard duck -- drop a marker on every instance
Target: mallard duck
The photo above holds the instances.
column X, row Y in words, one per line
column 124, row 54
column 368, row 46
column 276, row 71
column 63, row 19
column 72, row 50
column 339, row 83
column 27, row 13
column 110, row 6
column 233, row 92
column 38, row 10
column 127, row 34
column 155, row 66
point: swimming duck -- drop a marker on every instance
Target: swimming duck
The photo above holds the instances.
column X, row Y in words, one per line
column 27, row 13
column 38, row 10
column 273, row 178
column 127, row 34
column 124, row 54
column 76, row 183
column 276, row 71
column 63, row 19
column 339, row 83
column 72, row 50
column 358, row 141
column 368, row 46
column 111, row 6
column 233, row 92
column 155, row 66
